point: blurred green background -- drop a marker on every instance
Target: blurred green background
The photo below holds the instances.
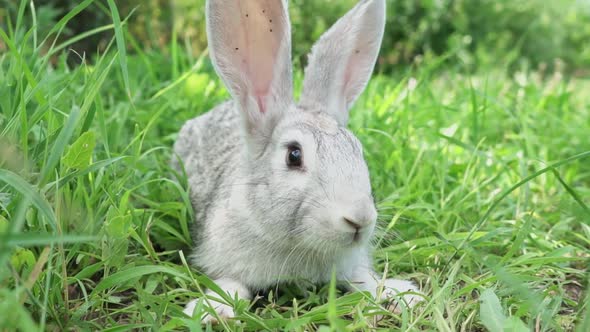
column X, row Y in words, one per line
column 479, row 98
column 532, row 34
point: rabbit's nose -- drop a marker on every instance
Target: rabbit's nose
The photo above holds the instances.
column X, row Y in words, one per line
column 358, row 223
column 351, row 222
column 361, row 215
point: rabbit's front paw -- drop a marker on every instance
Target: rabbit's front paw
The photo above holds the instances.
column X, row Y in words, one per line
column 189, row 309
column 399, row 294
column 223, row 311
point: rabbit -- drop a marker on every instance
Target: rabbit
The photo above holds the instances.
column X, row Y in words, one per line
column 280, row 188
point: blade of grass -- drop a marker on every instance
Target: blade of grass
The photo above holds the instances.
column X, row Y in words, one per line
column 34, row 17
column 572, row 192
column 92, row 168
column 508, row 192
column 119, row 278
column 32, row 240
column 34, row 275
column 77, row 38
column 120, row 37
column 71, row 14
column 23, row 187
column 60, row 144
column 19, row 17
column 23, row 66
column 584, row 316
column 18, row 219
column 198, row 65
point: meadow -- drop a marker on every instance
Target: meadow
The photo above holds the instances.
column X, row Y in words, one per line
column 482, row 179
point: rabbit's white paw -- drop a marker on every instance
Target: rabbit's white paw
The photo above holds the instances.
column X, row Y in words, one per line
column 223, row 311
column 189, row 309
column 396, row 303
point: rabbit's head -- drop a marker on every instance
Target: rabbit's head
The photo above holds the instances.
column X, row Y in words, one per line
column 308, row 181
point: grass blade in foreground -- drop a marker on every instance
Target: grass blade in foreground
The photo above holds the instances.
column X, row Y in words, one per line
column 120, row 37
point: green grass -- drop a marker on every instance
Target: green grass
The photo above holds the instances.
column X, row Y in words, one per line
column 483, row 184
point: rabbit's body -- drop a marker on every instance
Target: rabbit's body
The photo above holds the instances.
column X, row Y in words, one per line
column 281, row 189
column 224, row 186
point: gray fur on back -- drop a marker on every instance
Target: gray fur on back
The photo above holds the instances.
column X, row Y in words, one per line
column 208, row 146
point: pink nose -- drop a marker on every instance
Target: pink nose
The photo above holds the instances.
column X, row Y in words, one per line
column 363, row 215
column 356, row 225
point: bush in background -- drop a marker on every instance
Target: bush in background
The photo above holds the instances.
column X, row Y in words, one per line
column 468, row 33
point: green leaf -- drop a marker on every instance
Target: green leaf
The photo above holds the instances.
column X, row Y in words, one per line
column 19, row 318
column 513, row 324
column 79, row 154
column 22, row 257
column 116, row 244
column 114, row 251
column 490, row 312
column 117, row 226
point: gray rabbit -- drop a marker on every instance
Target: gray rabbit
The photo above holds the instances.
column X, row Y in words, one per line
column 280, row 189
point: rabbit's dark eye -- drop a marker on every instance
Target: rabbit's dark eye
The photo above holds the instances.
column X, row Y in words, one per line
column 294, row 156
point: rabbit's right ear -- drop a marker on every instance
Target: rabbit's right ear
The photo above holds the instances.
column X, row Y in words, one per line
column 342, row 61
column 250, row 46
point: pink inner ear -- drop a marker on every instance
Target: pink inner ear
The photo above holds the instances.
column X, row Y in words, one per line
column 262, row 29
column 346, row 78
column 358, row 69
column 250, row 44
column 261, row 103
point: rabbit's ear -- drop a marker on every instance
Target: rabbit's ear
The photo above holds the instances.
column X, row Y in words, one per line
column 342, row 60
column 250, row 46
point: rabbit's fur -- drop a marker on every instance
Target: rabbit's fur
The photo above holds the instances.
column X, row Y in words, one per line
column 260, row 222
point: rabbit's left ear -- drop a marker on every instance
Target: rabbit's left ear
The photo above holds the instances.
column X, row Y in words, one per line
column 250, row 46
column 342, row 60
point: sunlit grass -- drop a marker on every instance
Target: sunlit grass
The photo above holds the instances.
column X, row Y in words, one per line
column 482, row 181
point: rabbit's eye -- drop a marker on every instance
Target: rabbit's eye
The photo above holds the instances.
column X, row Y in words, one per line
column 294, row 156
